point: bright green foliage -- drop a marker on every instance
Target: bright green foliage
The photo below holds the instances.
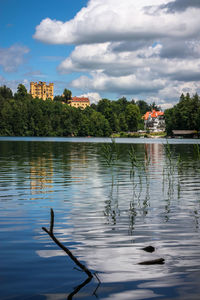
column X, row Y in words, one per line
column 185, row 115
column 22, row 115
column 25, row 116
column 121, row 114
column 132, row 117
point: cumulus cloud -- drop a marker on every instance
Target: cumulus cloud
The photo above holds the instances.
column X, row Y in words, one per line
column 93, row 97
column 116, row 20
column 130, row 47
column 11, row 58
column 122, row 85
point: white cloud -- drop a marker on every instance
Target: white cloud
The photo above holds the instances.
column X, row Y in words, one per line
column 124, row 84
column 116, row 20
column 93, row 97
column 13, row 84
column 11, row 58
column 140, row 48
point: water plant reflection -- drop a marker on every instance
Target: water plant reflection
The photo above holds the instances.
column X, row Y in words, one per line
column 105, row 215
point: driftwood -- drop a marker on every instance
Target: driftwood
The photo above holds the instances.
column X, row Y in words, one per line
column 65, row 249
column 159, row 261
column 83, row 267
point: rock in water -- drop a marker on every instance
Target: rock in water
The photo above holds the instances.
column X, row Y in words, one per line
column 149, row 249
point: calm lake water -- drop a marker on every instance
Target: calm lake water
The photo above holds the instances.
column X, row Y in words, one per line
column 110, row 200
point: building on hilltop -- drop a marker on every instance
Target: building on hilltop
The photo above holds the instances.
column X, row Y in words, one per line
column 154, row 121
column 41, row 90
column 80, row 102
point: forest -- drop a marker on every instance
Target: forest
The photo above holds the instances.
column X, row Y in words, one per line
column 21, row 115
column 185, row 115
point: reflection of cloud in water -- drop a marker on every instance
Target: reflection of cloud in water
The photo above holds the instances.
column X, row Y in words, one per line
column 133, row 295
column 109, row 249
column 50, row 253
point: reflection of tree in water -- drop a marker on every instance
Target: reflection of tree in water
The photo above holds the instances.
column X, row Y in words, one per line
column 137, row 176
column 111, row 211
column 162, row 166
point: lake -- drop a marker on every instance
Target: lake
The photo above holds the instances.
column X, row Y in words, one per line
column 110, row 200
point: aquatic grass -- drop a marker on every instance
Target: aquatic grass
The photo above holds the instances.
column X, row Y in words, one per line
column 169, row 168
column 133, row 157
column 107, row 153
column 135, row 164
column 196, row 150
column 110, row 152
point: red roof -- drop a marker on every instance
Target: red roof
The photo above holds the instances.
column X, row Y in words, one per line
column 154, row 114
column 80, row 99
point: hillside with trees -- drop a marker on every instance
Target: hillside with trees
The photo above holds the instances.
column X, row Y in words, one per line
column 21, row 115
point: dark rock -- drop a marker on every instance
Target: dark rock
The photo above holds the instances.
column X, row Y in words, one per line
column 149, row 249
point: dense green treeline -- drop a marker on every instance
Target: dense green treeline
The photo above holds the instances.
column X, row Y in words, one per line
column 21, row 115
column 185, row 115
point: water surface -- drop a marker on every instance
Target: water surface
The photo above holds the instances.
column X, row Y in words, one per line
column 104, row 213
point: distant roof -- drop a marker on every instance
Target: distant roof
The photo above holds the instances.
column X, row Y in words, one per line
column 153, row 113
column 80, row 99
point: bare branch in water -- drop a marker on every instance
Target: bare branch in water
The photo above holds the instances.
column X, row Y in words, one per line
column 78, row 288
column 65, row 249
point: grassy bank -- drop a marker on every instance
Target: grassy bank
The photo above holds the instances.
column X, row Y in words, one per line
column 139, row 134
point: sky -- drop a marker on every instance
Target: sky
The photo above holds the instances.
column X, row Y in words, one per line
column 140, row 49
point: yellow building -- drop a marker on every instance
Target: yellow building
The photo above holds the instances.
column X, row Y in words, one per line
column 81, row 102
column 41, row 90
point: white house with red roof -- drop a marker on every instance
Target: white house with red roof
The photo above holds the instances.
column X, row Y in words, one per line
column 154, row 121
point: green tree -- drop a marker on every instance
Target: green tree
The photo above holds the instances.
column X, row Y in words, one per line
column 5, row 92
column 122, row 122
column 67, row 95
column 58, row 98
column 143, row 106
column 185, row 115
column 121, row 104
column 132, row 117
column 21, row 92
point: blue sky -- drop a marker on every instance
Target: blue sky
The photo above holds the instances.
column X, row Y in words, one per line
column 141, row 49
column 18, row 19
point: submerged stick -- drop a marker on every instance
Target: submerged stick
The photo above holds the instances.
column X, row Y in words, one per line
column 65, row 249
column 159, row 261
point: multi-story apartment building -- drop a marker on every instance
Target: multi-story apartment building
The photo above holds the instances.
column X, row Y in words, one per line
column 81, row 102
column 41, row 90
